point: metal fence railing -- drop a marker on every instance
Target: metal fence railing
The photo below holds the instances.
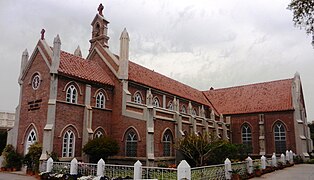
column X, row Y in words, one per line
column 159, row 173
column 216, row 172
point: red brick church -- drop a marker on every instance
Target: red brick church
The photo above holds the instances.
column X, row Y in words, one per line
column 66, row 99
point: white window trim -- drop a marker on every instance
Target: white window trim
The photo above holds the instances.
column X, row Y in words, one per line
column 70, row 91
column 100, row 100
column 66, row 148
column 31, row 142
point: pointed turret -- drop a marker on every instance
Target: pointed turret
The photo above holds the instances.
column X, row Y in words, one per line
column 56, row 50
column 100, row 29
column 124, row 55
column 78, row 52
column 23, row 63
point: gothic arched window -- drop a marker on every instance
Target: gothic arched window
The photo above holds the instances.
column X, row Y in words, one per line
column 194, row 112
column 247, row 136
column 68, row 145
column 167, row 141
column 98, row 134
column 183, row 109
column 170, row 105
column 100, row 100
column 31, row 139
column 138, row 98
column 156, row 102
column 71, row 94
column 280, row 137
column 131, row 143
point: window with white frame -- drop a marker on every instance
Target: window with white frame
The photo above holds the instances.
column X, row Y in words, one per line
column 183, row 109
column 71, row 94
column 138, row 98
column 100, row 100
column 247, row 136
column 170, row 105
column 155, row 102
column 131, row 143
column 31, row 139
column 167, row 140
column 280, row 138
column 68, row 145
column 98, row 134
column 36, row 81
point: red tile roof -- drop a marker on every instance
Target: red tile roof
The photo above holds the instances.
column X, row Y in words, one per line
column 253, row 98
column 153, row 79
column 78, row 67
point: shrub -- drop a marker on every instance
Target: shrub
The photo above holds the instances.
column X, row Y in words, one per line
column 310, row 161
column 102, row 147
column 12, row 159
column 31, row 159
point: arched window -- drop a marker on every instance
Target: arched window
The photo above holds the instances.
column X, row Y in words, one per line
column 100, row 100
column 138, row 98
column 31, row 139
column 99, row 133
column 71, row 95
column 170, row 106
column 183, row 109
column 280, row 137
column 167, row 141
column 131, row 143
column 68, row 145
column 155, row 102
column 194, row 112
column 247, row 136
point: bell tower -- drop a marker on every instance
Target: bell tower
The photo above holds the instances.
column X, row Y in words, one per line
column 99, row 29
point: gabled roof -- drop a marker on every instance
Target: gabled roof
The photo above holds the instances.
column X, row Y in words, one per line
column 253, row 98
column 142, row 75
column 78, row 67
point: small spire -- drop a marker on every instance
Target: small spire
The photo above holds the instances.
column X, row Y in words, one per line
column 78, row 52
column 42, row 32
column 57, row 40
column 124, row 34
column 100, row 8
column 297, row 74
column 25, row 52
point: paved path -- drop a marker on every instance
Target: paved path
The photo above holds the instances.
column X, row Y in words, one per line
column 15, row 176
column 298, row 172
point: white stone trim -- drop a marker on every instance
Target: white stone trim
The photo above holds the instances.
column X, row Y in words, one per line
column 67, row 126
column 136, row 131
column 76, row 84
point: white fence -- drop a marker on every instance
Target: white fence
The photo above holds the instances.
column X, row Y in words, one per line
column 183, row 171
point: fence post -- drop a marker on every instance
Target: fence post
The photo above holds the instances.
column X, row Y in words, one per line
column 291, row 156
column 73, row 168
column 100, row 167
column 287, row 155
column 137, row 170
column 249, row 165
column 49, row 165
column 184, row 170
column 283, row 159
column 228, row 169
column 273, row 160
column 263, row 162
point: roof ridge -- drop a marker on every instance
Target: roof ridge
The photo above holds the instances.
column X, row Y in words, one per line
column 247, row 85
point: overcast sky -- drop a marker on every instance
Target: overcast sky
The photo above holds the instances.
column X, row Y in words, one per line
column 202, row 43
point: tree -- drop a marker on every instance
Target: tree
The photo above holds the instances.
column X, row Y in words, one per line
column 12, row 159
column 102, row 147
column 198, row 148
column 31, row 159
column 303, row 15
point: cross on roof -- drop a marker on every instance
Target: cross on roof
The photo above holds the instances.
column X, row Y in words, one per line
column 100, row 8
column 42, row 34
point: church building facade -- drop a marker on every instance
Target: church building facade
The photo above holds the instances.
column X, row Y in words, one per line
column 66, row 100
